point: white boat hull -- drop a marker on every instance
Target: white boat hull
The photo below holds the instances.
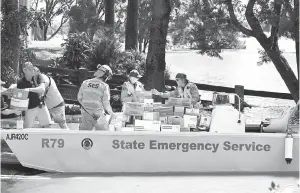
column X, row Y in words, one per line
column 56, row 150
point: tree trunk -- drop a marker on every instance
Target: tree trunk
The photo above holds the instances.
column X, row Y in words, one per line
column 140, row 44
column 296, row 31
column 270, row 44
column 110, row 16
column 155, row 62
column 131, row 32
column 285, row 72
column 45, row 29
column 146, row 41
column 10, row 37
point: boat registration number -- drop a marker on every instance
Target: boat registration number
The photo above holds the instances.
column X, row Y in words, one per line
column 52, row 143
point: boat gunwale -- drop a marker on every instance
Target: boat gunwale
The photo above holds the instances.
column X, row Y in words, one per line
column 54, row 131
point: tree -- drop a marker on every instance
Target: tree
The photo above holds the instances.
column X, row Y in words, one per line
column 144, row 24
column 110, row 16
column 155, row 62
column 204, row 25
column 272, row 14
column 51, row 10
column 131, row 32
column 87, row 16
column 10, row 35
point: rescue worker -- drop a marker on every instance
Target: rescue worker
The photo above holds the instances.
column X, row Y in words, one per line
column 52, row 98
column 131, row 87
column 94, row 97
column 36, row 108
column 185, row 89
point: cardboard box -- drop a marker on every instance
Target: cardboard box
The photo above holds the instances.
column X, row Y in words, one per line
column 127, row 129
column 148, row 102
column 205, row 120
column 157, row 104
column 170, row 128
column 179, row 102
column 111, row 128
column 146, row 125
column 152, row 116
column 163, row 120
column 19, row 104
column 133, row 109
column 185, row 129
column 20, row 94
column 164, row 111
column 192, row 111
column 142, row 95
column 148, row 105
column 179, row 111
column 175, row 120
column 19, row 100
column 190, row 121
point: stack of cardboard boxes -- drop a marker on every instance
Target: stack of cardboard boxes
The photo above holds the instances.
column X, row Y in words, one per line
column 174, row 116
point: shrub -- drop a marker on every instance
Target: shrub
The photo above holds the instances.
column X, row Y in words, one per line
column 77, row 51
column 104, row 51
column 26, row 55
column 81, row 52
column 8, row 75
column 129, row 60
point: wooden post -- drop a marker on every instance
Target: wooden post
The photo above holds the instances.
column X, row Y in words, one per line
column 83, row 72
column 239, row 90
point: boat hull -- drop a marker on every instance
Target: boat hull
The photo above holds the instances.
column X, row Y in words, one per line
column 55, row 150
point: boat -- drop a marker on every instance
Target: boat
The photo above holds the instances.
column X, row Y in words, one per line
column 56, row 150
column 217, row 151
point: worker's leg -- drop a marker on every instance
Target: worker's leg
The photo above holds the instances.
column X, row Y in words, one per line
column 87, row 122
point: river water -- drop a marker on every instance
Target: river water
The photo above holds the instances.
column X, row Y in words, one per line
column 148, row 184
column 237, row 68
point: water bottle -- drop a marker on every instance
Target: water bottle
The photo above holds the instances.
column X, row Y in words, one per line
column 20, row 122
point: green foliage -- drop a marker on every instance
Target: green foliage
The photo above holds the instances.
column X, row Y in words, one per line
column 14, row 24
column 49, row 12
column 264, row 57
column 204, row 25
column 26, row 55
column 87, row 16
column 264, row 11
column 8, row 75
column 77, row 50
column 104, row 51
column 80, row 51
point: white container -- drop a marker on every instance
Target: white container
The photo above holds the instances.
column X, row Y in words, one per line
column 151, row 116
column 190, row 121
column 225, row 119
column 19, row 103
column 170, row 128
column 127, row 129
column 146, row 125
column 20, row 124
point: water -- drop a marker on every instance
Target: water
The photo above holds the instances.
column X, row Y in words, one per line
column 145, row 184
column 238, row 67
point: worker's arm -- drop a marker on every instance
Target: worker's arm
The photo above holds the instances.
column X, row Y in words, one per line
column 106, row 100
column 80, row 94
column 125, row 95
column 165, row 95
column 42, row 86
column 195, row 94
